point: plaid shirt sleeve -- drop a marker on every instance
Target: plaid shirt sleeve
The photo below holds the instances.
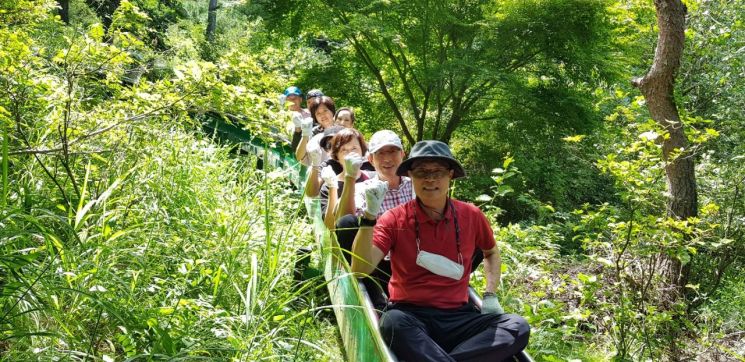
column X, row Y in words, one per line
column 393, row 198
column 402, row 195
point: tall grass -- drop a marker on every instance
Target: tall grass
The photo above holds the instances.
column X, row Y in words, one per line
column 177, row 250
column 4, row 195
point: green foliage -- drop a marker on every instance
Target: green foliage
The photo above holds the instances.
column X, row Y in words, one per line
column 712, row 76
column 438, row 66
column 123, row 232
column 172, row 257
column 491, row 77
column 507, row 198
column 20, row 13
column 614, row 293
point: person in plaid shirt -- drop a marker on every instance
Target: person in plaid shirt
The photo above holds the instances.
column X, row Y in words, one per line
column 393, row 197
column 386, row 153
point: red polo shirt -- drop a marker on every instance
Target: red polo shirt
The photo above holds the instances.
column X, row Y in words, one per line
column 410, row 283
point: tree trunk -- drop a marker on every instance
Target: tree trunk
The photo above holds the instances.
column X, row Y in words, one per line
column 212, row 21
column 105, row 10
column 657, row 86
column 64, row 10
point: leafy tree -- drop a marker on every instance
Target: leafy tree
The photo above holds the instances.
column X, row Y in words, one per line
column 439, row 65
column 657, row 86
column 711, row 86
column 124, row 230
column 104, row 9
column 712, row 74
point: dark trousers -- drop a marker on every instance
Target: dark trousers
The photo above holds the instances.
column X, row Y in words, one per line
column 346, row 230
column 416, row 333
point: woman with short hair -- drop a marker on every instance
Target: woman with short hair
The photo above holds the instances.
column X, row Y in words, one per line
column 322, row 110
column 347, row 147
column 345, row 117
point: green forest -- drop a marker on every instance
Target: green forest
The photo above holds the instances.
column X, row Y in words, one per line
column 603, row 139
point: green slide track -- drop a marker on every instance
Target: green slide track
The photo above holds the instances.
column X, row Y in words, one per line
column 355, row 315
column 356, row 318
column 274, row 153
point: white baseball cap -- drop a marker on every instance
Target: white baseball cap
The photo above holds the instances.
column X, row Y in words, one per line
column 384, row 138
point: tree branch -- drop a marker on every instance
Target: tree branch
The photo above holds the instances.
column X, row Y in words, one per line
column 367, row 60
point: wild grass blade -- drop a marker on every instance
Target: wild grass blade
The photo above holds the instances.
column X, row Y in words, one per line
column 5, row 162
column 79, row 211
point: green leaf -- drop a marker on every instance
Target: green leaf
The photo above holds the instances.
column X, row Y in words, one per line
column 503, row 190
column 574, row 139
column 507, row 162
column 683, row 256
column 96, row 31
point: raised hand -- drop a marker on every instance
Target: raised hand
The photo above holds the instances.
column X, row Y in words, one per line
column 352, row 164
column 297, row 119
column 315, row 153
column 374, row 195
column 307, row 127
column 329, row 177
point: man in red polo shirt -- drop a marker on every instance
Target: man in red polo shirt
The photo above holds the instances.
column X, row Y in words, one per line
column 431, row 241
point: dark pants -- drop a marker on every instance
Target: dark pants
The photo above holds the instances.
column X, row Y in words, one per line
column 428, row 334
column 346, row 230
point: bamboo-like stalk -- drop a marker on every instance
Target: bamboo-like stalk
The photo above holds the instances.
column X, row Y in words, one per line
column 4, row 195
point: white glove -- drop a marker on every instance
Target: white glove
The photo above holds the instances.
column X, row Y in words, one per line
column 490, row 305
column 352, row 164
column 282, row 98
column 374, row 195
column 315, row 154
column 307, row 127
column 329, row 177
column 297, row 119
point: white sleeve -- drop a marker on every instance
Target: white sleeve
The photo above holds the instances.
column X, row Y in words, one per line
column 359, row 198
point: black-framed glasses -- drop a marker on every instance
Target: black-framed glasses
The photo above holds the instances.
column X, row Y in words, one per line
column 432, row 174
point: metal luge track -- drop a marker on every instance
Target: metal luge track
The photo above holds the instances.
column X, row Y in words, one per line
column 356, row 318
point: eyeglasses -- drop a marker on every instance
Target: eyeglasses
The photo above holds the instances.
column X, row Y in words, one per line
column 434, row 174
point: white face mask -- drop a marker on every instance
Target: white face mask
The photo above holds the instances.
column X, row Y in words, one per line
column 439, row 265
column 436, row 263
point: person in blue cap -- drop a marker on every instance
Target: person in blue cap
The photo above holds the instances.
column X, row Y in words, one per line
column 431, row 241
column 293, row 97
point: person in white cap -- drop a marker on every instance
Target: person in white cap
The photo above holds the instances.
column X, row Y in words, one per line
column 386, row 152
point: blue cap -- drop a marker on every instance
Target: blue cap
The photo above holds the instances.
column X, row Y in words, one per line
column 293, row 91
